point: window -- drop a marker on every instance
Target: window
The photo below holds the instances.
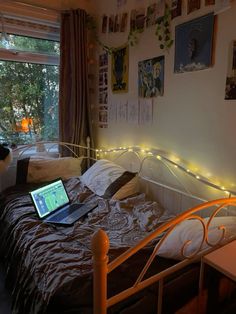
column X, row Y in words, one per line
column 29, row 86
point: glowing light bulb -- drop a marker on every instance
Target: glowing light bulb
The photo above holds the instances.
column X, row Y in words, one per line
column 197, row 177
column 159, row 157
column 188, row 170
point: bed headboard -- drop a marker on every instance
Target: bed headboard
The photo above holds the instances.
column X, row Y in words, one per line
column 167, row 179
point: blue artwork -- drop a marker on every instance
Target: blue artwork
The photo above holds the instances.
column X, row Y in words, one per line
column 151, row 77
column 194, row 44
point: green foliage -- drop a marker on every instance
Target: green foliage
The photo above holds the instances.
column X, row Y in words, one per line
column 28, row 91
column 162, row 32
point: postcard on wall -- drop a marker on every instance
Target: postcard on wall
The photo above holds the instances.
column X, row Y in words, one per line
column 123, row 23
column 120, row 70
column 194, row 44
column 122, row 111
column 133, row 112
column 151, row 77
column 176, row 8
column 160, row 8
column 193, row 5
column 230, row 89
column 137, row 19
column 146, row 111
column 112, row 111
column 103, row 59
column 111, row 23
column 104, row 23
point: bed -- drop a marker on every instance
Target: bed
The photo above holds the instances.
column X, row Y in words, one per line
column 52, row 269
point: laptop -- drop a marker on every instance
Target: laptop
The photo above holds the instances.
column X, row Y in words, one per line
column 53, row 205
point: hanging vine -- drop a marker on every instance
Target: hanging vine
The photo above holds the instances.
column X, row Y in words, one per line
column 162, row 32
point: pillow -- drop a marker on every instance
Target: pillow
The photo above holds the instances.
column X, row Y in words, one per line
column 109, row 180
column 47, row 169
column 193, row 230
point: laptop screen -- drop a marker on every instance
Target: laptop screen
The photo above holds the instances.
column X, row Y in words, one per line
column 49, row 198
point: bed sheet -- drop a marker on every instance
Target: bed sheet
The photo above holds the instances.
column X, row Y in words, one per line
column 47, row 263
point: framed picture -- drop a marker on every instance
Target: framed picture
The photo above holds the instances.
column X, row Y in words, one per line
column 194, row 44
column 120, row 70
column 151, row 77
column 230, row 89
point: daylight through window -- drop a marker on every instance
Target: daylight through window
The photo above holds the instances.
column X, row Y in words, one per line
column 29, row 86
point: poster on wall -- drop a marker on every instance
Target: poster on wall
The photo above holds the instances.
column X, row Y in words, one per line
column 230, row 89
column 120, row 70
column 103, row 90
column 151, row 77
column 194, row 44
column 176, row 8
column 193, row 5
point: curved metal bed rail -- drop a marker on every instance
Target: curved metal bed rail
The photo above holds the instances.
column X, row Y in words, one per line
column 48, row 146
column 100, row 247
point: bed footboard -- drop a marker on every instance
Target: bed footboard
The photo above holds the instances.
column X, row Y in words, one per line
column 100, row 247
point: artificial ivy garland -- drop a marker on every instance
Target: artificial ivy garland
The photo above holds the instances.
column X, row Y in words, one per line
column 162, row 32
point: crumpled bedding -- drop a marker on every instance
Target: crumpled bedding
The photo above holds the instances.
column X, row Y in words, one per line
column 49, row 267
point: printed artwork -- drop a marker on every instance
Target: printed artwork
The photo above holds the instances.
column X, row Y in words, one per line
column 194, row 44
column 137, row 19
column 103, row 91
column 120, row 70
column 230, row 89
column 151, row 77
column 193, row 5
column 104, row 23
column 176, row 8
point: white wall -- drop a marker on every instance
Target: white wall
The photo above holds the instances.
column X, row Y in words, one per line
column 192, row 119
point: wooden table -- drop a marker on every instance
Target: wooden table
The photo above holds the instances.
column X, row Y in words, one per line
column 223, row 260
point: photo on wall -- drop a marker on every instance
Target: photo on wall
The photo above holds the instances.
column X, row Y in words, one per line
column 194, row 42
column 230, row 89
column 151, row 77
column 120, row 70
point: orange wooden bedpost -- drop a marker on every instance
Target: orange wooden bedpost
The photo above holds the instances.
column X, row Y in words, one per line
column 100, row 247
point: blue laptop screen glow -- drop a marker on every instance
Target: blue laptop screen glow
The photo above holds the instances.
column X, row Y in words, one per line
column 49, row 198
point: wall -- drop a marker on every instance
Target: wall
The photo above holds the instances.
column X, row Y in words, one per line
column 192, row 120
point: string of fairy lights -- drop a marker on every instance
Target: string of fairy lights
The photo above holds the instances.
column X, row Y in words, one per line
column 145, row 153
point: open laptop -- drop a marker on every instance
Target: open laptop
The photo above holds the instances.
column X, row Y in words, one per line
column 53, row 205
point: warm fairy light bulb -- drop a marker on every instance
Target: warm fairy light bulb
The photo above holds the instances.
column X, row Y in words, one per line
column 223, row 188
column 105, row 153
column 197, row 177
column 176, row 166
column 130, row 150
column 188, row 170
column 98, row 155
column 143, row 150
column 150, row 153
column 159, row 157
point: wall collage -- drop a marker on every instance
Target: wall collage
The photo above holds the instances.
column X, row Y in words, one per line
column 194, row 44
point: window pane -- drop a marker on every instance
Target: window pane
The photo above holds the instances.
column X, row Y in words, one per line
column 29, row 44
column 28, row 102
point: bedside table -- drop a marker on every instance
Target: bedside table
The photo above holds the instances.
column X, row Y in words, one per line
column 223, row 260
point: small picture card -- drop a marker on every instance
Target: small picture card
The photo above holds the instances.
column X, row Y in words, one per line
column 193, row 5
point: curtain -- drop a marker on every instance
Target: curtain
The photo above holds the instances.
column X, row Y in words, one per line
column 74, row 108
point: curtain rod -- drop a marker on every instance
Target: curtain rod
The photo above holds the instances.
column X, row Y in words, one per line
column 37, row 6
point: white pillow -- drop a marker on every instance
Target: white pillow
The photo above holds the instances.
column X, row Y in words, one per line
column 109, row 180
column 43, row 169
column 193, row 230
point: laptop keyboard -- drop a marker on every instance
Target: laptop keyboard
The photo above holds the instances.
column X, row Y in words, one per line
column 72, row 212
column 65, row 212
